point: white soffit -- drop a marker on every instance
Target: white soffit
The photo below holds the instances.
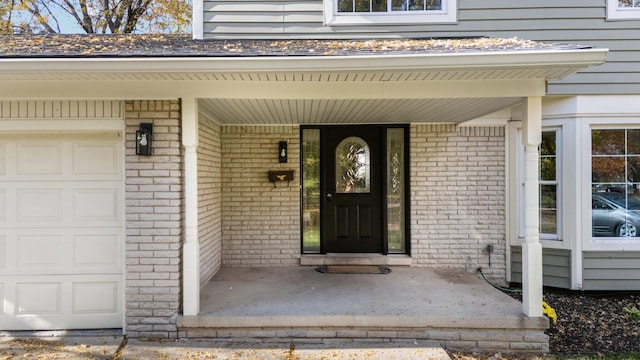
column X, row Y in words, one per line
column 350, row 111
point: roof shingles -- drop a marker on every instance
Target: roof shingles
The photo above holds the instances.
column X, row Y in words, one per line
column 155, row 45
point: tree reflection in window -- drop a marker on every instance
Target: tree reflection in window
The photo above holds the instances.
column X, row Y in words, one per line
column 615, row 181
column 628, row 3
column 352, row 166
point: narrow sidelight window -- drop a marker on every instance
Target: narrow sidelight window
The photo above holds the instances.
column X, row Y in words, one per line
column 311, row 190
column 396, row 190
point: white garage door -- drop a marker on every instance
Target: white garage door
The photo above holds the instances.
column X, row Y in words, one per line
column 61, row 231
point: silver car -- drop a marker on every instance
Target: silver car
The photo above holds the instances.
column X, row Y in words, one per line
column 609, row 218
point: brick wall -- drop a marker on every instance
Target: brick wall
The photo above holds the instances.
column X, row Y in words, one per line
column 209, row 199
column 260, row 223
column 154, row 223
column 458, row 197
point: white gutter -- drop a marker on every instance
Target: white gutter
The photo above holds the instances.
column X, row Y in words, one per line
column 573, row 60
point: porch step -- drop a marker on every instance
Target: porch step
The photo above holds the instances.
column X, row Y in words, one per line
column 355, row 259
column 485, row 335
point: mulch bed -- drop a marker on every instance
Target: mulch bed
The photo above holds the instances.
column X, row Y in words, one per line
column 593, row 323
column 590, row 324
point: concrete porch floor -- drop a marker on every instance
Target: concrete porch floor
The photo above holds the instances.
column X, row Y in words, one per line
column 452, row 307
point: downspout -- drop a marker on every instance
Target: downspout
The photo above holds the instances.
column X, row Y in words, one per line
column 507, row 202
column 580, row 132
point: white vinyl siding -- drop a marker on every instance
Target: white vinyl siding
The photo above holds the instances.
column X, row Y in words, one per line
column 556, row 267
column 612, row 270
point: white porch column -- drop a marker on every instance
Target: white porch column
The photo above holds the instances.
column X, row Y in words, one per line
column 191, row 247
column 531, row 248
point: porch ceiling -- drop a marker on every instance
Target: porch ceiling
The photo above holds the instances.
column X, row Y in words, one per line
column 350, row 111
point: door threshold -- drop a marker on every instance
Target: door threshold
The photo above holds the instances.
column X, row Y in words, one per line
column 355, row 259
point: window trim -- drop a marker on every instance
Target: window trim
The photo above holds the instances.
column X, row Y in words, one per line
column 557, row 182
column 515, row 201
column 557, row 237
column 449, row 15
column 616, row 13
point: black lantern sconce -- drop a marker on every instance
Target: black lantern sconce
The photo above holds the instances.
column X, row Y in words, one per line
column 144, row 137
column 282, row 152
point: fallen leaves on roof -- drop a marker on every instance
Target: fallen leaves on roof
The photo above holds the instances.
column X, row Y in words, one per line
column 51, row 46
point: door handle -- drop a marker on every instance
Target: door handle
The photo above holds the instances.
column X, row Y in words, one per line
column 329, row 197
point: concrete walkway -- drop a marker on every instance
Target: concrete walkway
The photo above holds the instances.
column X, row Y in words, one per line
column 87, row 346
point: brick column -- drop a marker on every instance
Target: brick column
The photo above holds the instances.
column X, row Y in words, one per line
column 154, row 221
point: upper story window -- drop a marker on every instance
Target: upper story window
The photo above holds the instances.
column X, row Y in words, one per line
column 623, row 9
column 367, row 12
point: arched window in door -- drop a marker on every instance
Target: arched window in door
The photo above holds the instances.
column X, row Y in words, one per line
column 353, row 166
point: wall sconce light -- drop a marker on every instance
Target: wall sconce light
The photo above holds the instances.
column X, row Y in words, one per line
column 143, row 139
column 282, row 152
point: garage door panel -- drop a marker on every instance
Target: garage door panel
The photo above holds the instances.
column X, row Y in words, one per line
column 95, row 158
column 95, row 298
column 61, row 204
column 85, row 200
column 39, row 205
column 38, row 253
column 38, row 298
column 3, row 254
column 3, row 307
column 62, row 251
column 61, row 302
column 96, row 252
column 36, row 158
column 3, row 206
column 3, row 158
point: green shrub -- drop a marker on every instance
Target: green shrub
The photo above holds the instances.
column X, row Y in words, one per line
column 633, row 312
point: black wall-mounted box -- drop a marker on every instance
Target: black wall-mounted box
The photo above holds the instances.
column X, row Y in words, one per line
column 280, row 175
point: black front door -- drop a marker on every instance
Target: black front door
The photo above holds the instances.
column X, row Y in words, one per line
column 351, row 192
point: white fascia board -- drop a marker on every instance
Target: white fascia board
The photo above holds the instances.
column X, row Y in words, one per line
column 450, row 61
column 173, row 89
column 591, row 106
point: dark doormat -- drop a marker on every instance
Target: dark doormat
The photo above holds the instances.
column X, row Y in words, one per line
column 353, row 269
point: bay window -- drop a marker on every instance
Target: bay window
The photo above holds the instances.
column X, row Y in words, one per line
column 549, row 186
column 615, row 183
